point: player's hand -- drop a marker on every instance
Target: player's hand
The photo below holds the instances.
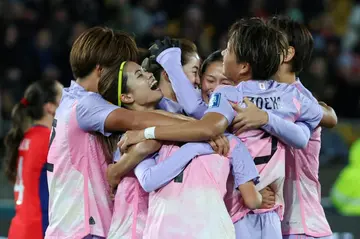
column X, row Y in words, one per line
column 220, row 145
column 160, row 46
column 268, row 198
column 131, row 137
column 248, row 118
column 149, row 64
column 147, row 147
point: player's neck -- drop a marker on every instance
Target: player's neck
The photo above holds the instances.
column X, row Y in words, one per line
column 89, row 83
column 44, row 121
column 285, row 75
column 137, row 107
column 242, row 78
column 167, row 90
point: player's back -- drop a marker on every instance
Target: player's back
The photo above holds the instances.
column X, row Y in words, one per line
column 130, row 208
column 79, row 198
column 302, row 189
column 30, row 190
column 269, row 157
column 268, row 152
column 191, row 205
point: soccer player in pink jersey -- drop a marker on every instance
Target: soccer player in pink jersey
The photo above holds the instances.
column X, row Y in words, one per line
column 249, row 39
column 304, row 216
column 139, row 91
column 79, row 201
column 302, row 188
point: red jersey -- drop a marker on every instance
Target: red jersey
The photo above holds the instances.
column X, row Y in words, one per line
column 31, row 191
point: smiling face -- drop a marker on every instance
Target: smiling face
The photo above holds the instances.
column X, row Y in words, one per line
column 191, row 69
column 142, row 88
column 211, row 78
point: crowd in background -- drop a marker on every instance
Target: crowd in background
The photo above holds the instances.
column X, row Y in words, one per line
column 36, row 36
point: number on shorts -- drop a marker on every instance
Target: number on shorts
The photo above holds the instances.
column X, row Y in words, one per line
column 274, row 145
column 19, row 185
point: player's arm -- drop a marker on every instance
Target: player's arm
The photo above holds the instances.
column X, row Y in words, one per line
column 152, row 175
column 217, row 118
column 252, row 117
column 295, row 134
column 252, row 198
column 174, row 115
column 245, row 173
column 193, row 104
column 309, row 118
column 130, row 159
column 329, row 119
column 96, row 114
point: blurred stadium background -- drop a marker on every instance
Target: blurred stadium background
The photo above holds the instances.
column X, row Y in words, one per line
column 36, row 36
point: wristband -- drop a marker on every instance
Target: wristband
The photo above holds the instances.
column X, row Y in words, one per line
column 149, row 133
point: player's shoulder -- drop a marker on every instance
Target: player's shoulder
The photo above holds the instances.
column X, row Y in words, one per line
column 303, row 90
column 91, row 101
column 224, row 92
column 225, row 88
column 38, row 135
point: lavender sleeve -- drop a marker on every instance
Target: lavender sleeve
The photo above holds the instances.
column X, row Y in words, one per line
column 243, row 166
column 296, row 134
column 309, row 118
column 311, row 113
column 219, row 102
column 92, row 111
column 152, row 175
column 193, row 104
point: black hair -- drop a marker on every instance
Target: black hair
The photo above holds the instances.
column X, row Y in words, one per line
column 259, row 45
column 213, row 57
column 30, row 108
column 298, row 37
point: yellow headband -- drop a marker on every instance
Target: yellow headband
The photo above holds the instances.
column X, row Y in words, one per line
column 120, row 78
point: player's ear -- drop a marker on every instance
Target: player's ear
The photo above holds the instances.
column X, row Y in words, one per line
column 290, row 54
column 49, row 108
column 127, row 98
column 165, row 76
column 244, row 68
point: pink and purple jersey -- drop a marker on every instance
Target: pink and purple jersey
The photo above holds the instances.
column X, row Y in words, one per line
column 79, row 196
column 194, row 200
column 130, row 210
column 281, row 101
column 302, row 191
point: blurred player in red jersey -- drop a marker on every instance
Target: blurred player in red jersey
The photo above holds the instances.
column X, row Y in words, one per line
column 27, row 146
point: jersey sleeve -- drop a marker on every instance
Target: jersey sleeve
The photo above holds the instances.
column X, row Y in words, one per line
column 152, row 175
column 285, row 131
column 220, row 101
column 311, row 113
column 243, row 166
column 92, row 111
column 192, row 103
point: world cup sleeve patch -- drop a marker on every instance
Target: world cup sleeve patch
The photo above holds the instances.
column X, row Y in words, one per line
column 215, row 100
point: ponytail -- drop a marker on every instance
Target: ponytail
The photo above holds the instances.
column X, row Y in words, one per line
column 20, row 123
column 30, row 108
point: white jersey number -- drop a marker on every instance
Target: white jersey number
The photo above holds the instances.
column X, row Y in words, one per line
column 19, row 185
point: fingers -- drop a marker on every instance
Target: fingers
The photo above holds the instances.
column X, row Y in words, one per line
column 223, row 145
column 248, row 103
column 236, row 107
column 226, row 144
column 213, row 145
column 122, row 144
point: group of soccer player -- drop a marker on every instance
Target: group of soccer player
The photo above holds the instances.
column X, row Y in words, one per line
column 237, row 158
